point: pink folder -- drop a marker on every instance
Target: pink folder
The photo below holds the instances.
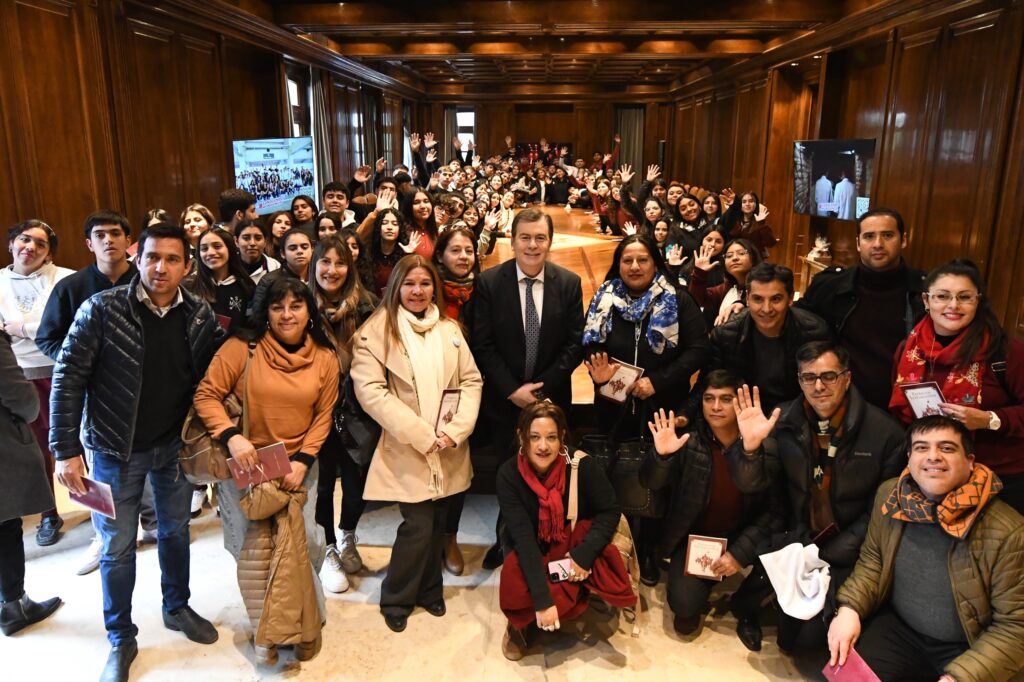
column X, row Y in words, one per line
column 97, row 497
column 855, row 670
column 273, row 464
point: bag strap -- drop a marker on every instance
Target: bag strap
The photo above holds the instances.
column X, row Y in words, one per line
column 574, row 488
column 245, row 391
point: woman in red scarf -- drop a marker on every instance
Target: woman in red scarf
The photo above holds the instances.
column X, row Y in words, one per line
column 455, row 258
column 533, row 493
column 961, row 346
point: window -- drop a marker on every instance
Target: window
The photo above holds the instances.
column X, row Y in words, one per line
column 299, row 97
column 465, row 125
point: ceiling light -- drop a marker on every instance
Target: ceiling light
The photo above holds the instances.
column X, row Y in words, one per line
column 794, row 64
column 817, row 56
column 562, row 39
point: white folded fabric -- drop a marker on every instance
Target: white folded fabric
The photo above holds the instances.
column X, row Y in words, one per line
column 800, row 579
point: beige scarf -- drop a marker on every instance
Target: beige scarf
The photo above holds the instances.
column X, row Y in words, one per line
column 424, row 350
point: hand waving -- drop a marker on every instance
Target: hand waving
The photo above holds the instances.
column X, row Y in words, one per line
column 386, row 198
column 629, row 229
column 601, row 371
column 457, row 143
column 382, row 165
column 663, row 429
column 675, row 255
column 431, row 156
column 653, row 172
column 429, row 141
column 703, row 260
column 414, row 241
column 626, row 173
column 362, row 174
column 754, row 426
column 414, row 142
column 508, row 140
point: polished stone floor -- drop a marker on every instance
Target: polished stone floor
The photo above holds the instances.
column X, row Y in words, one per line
column 463, row 645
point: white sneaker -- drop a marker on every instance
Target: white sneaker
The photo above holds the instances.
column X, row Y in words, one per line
column 333, row 578
column 349, row 557
column 198, row 498
column 91, row 557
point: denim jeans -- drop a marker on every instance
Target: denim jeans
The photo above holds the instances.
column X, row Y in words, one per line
column 172, row 496
column 235, row 524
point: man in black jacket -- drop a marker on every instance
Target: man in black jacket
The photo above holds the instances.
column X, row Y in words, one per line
column 705, row 498
column 130, row 365
column 873, row 306
column 831, row 449
column 759, row 345
column 107, row 236
column 527, row 333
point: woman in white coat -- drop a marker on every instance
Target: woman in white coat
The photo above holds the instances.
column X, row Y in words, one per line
column 409, row 362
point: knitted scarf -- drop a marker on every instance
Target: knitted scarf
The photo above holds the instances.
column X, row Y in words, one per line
column 551, row 519
column 456, row 291
column 922, row 354
column 659, row 300
column 955, row 513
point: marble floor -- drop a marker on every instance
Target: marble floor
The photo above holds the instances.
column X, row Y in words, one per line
column 465, row 644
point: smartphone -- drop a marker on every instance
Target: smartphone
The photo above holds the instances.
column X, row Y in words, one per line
column 559, row 570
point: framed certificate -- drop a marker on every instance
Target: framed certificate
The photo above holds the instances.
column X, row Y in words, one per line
column 925, row 398
column 448, row 408
column 625, row 376
column 701, row 552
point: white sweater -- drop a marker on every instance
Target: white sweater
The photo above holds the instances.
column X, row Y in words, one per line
column 22, row 299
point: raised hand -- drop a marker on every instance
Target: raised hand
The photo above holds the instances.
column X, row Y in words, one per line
column 675, row 255
column 626, row 173
column 491, row 220
column 754, row 426
column 601, row 371
column 629, row 229
column 435, row 179
column 432, row 156
column 564, row 151
column 727, row 196
column 382, row 165
column 457, row 143
column 414, row 241
column 429, row 141
column 386, row 198
column 607, row 158
column 653, row 172
column 414, row 142
column 508, row 140
column 476, row 161
column 617, row 138
column 472, row 145
column 703, row 260
column 663, row 430
column 362, row 174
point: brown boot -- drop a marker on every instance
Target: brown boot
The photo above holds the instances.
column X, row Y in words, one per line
column 453, row 555
column 513, row 644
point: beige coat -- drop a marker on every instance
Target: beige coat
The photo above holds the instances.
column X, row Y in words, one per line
column 399, row 471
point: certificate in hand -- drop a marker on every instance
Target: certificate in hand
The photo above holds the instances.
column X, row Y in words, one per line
column 97, row 497
column 925, row 398
column 449, row 407
column 273, row 464
column 625, row 376
column 701, row 552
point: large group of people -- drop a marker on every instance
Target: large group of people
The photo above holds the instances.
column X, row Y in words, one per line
column 755, row 416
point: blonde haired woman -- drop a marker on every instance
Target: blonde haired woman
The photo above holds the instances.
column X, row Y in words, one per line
column 406, row 358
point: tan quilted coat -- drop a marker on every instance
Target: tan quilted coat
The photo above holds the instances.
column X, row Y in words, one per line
column 274, row 572
column 987, row 571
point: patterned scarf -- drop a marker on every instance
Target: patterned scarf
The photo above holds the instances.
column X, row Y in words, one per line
column 921, row 351
column 955, row 513
column 659, row 300
column 551, row 519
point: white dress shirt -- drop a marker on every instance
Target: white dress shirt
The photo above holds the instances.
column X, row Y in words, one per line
column 538, row 293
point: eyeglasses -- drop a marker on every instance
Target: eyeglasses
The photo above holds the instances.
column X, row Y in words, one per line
column 945, row 298
column 827, row 378
column 738, row 253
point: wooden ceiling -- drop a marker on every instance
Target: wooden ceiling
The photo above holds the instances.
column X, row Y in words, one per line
column 614, row 44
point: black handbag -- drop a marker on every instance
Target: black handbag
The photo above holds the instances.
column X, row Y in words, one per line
column 359, row 432
column 621, row 461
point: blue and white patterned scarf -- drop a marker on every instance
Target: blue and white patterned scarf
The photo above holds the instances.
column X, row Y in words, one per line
column 659, row 300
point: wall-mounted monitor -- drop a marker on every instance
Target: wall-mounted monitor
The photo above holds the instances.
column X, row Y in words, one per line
column 833, row 178
column 275, row 170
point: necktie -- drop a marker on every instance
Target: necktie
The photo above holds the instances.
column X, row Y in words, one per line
column 532, row 330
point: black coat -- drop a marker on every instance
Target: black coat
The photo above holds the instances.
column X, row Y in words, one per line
column 689, row 473
column 498, row 341
column 24, row 488
column 99, row 370
column 872, row 450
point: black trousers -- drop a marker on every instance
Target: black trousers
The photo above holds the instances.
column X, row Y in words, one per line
column 687, row 596
column 414, row 574
column 455, row 504
column 896, row 652
column 335, row 460
column 12, row 560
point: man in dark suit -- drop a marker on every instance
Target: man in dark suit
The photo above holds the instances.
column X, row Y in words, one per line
column 531, row 355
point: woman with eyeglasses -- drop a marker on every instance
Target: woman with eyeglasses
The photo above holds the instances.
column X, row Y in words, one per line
column 25, row 286
column 979, row 368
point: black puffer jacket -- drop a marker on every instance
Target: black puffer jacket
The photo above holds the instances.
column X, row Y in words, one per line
column 689, row 471
column 99, row 368
column 870, row 451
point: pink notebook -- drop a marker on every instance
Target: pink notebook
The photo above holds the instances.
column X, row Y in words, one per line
column 97, row 497
column 273, row 464
column 855, row 670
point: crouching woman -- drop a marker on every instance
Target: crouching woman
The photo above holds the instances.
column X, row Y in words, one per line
column 286, row 372
column 533, row 493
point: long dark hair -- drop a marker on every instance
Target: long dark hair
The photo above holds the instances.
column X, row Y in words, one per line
column 647, row 241
column 377, row 254
column 985, row 322
column 277, row 290
column 364, row 266
column 752, row 251
column 701, row 218
column 203, row 285
column 410, row 222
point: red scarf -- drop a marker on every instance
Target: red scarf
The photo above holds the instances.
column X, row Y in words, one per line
column 455, row 296
column 551, row 521
column 955, row 513
column 923, row 355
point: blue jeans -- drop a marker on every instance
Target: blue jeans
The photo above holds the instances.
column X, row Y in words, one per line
column 172, row 496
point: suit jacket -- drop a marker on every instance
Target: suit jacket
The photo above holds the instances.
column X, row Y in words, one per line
column 498, row 340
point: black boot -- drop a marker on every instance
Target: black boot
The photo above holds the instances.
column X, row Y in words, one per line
column 119, row 662
column 494, row 557
column 650, row 572
column 20, row 613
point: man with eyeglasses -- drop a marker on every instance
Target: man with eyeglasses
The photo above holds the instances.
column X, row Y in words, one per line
column 830, row 449
column 872, row 306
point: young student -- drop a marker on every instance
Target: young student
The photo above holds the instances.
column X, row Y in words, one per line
column 234, row 206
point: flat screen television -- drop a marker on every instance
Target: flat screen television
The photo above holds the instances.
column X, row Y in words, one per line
column 275, row 170
column 833, row 178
